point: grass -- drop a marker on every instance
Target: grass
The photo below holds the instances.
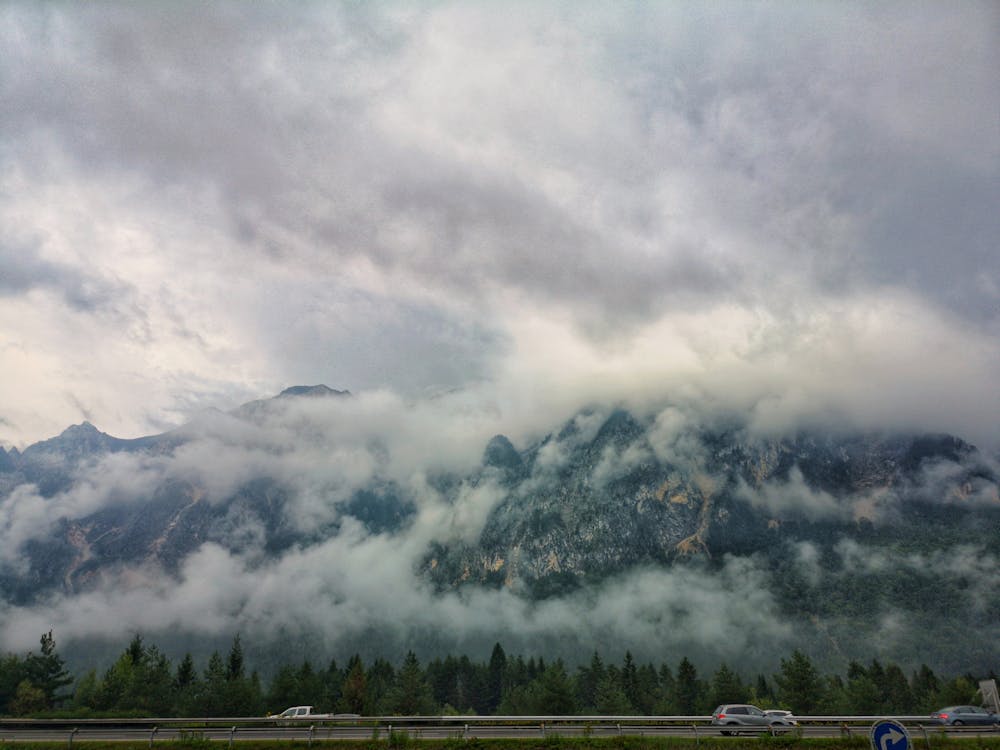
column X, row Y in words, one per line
column 401, row 740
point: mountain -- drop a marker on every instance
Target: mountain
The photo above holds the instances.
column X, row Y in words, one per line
column 884, row 539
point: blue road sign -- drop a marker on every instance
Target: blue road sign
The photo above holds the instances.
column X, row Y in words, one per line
column 888, row 734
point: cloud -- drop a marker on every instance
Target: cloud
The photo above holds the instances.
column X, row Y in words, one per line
column 115, row 479
column 482, row 221
column 355, row 582
column 384, row 197
column 793, row 497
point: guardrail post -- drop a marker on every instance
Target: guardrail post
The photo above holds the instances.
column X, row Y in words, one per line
column 71, row 734
column 232, row 734
column 697, row 739
column 312, row 728
column 619, row 728
column 543, row 729
column 927, row 738
column 465, row 733
column 388, row 734
column 152, row 734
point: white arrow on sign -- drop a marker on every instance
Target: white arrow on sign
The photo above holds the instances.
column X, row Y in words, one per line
column 890, row 738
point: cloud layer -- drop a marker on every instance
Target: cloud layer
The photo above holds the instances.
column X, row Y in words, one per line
column 205, row 204
column 341, row 584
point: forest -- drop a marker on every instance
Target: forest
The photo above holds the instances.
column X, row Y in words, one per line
column 144, row 682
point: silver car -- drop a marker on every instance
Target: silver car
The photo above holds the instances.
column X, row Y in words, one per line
column 745, row 715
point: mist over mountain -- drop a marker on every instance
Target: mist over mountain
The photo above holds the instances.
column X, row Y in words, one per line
column 339, row 522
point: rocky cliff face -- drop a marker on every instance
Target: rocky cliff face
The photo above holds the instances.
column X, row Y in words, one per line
column 842, row 527
column 578, row 507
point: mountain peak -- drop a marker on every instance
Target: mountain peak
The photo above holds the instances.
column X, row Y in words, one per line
column 311, row 391
column 76, row 440
column 501, row 454
column 84, row 429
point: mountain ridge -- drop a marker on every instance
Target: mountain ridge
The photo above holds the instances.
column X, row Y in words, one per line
column 816, row 517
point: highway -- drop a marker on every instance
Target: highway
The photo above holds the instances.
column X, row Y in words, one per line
column 243, row 729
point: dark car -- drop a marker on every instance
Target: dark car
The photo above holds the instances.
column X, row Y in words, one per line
column 744, row 715
column 957, row 716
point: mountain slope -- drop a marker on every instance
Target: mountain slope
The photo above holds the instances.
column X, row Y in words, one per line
column 829, row 534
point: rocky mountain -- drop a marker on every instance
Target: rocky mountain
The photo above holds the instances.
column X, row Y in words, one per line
column 843, row 530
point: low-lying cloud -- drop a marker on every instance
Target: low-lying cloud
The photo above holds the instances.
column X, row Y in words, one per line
column 339, row 577
column 482, row 222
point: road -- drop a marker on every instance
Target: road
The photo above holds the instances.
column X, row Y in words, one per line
column 43, row 732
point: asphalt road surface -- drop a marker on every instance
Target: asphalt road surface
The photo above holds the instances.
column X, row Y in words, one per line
column 424, row 731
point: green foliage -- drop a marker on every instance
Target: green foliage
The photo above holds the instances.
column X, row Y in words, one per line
column 687, row 693
column 28, row 699
column 191, row 740
column 47, row 672
column 398, row 739
column 11, row 674
column 355, row 688
column 799, row 684
column 143, row 682
column 727, row 687
column 610, row 698
column 411, row 695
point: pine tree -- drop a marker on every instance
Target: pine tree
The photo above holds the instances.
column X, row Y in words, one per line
column 213, row 694
column 136, row 651
column 554, row 694
column 355, row 689
column 234, row 668
column 630, row 681
column 649, row 689
column 497, row 675
column 11, row 674
column 186, row 688
column 762, row 692
column 799, row 684
column 727, row 687
column 687, row 692
column 411, row 695
column 284, row 689
column 925, row 686
column 610, row 699
column 186, row 674
column 899, row 697
column 381, row 676
column 587, row 680
column 85, row 691
column 665, row 705
column 47, row 672
column 332, row 679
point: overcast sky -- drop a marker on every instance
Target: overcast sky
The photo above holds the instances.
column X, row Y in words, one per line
column 790, row 208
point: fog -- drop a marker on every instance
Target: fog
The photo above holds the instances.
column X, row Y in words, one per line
column 341, row 581
column 482, row 222
column 793, row 208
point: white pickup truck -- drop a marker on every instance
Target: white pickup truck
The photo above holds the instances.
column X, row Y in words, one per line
column 302, row 712
column 306, row 712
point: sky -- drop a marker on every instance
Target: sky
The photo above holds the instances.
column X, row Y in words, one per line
column 788, row 209
column 480, row 218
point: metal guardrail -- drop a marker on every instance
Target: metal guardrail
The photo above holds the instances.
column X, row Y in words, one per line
column 234, row 729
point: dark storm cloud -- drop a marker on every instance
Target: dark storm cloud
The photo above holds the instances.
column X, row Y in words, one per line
column 22, row 269
column 383, row 195
column 283, row 110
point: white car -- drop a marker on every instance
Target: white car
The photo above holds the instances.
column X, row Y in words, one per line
column 780, row 713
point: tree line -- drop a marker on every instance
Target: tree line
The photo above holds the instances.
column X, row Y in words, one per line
column 142, row 681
